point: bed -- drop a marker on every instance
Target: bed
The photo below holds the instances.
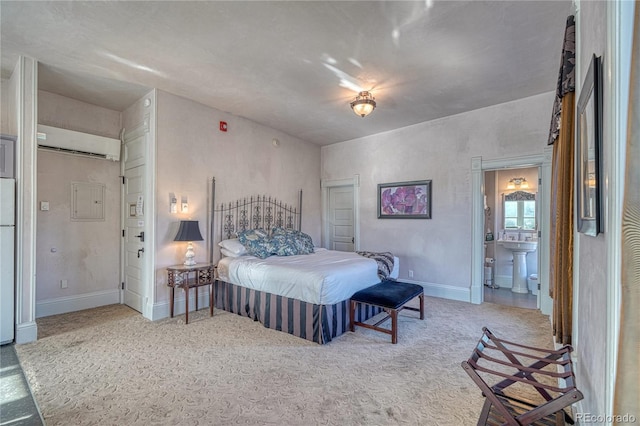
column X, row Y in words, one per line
column 306, row 295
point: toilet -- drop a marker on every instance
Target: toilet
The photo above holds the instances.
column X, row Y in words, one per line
column 532, row 283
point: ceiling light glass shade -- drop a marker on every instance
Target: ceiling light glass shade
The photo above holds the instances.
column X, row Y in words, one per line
column 363, row 104
column 520, row 182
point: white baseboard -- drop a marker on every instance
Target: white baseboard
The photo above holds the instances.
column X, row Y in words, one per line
column 504, row 281
column 26, row 332
column 161, row 310
column 462, row 294
column 62, row 305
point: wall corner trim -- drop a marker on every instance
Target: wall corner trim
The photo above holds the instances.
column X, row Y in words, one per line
column 26, row 332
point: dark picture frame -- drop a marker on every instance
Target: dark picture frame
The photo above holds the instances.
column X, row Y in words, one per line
column 589, row 152
column 405, row 200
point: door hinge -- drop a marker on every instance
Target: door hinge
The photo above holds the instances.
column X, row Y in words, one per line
column 539, row 181
column 123, row 179
column 122, row 285
column 123, row 232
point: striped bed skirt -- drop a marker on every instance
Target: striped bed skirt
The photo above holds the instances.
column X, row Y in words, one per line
column 318, row 323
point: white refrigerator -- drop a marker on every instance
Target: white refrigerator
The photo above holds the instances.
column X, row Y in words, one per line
column 7, row 259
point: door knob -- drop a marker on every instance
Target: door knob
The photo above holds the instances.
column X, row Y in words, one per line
column 140, row 251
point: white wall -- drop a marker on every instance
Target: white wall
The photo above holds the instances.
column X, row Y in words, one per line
column 8, row 113
column 86, row 254
column 590, row 270
column 191, row 149
column 437, row 250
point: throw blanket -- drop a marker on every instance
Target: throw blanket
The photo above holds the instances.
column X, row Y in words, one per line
column 384, row 260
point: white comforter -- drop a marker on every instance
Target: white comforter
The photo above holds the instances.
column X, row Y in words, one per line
column 325, row 277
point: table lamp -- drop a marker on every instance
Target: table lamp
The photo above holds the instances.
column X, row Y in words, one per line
column 189, row 231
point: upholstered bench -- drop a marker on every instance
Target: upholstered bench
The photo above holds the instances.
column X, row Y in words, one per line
column 391, row 296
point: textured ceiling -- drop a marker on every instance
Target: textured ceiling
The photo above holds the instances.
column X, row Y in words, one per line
column 294, row 66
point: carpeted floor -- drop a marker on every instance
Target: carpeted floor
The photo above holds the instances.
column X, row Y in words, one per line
column 110, row 366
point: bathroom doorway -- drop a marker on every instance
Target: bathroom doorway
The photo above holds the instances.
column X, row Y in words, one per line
column 510, row 272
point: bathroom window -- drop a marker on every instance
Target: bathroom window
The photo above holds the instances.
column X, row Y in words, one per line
column 520, row 211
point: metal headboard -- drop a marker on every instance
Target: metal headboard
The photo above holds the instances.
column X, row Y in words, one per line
column 256, row 211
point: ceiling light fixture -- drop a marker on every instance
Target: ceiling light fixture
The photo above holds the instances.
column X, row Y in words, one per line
column 519, row 182
column 363, row 104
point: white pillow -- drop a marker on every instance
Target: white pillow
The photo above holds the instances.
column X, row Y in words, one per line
column 233, row 246
column 228, row 253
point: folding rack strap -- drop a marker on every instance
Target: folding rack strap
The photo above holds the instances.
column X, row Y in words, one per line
column 497, row 400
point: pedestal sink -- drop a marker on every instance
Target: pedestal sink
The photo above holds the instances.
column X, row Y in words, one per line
column 519, row 250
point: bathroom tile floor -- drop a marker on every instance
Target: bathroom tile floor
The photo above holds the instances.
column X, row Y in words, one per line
column 504, row 296
column 17, row 406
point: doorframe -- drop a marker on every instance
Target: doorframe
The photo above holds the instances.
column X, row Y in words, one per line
column 147, row 127
column 478, row 167
column 325, row 185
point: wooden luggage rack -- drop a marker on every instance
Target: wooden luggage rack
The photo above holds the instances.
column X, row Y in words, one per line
column 526, row 392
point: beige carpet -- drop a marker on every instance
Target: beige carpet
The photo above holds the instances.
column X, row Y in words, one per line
column 110, row 366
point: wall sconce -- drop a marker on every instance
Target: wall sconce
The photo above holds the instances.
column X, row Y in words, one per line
column 363, row 104
column 519, row 182
column 189, row 231
column 185, row 205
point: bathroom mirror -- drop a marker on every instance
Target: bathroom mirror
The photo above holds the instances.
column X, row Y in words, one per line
column 519, row 210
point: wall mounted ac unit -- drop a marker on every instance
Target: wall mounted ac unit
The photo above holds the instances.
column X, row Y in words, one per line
column 79, row 143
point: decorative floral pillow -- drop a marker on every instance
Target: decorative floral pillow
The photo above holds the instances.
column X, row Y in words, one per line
column 302, row 242
column 283, row 245
column 257, row 242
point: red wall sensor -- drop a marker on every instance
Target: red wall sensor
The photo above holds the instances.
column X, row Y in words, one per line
column 223, row 126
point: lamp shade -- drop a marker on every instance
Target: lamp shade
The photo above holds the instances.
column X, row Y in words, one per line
column 188, row 231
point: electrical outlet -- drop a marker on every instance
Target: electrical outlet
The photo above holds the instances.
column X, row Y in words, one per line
column 63, row 283
column 410, row 273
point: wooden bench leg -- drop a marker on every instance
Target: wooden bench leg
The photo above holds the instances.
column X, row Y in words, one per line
column 394, row 325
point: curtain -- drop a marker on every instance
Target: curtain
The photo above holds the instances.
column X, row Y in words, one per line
column 561, row 136
column 627, row 391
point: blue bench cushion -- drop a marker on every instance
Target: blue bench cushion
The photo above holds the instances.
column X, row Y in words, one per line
column 388, row 294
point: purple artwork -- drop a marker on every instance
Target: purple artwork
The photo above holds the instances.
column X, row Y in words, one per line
column 406, row 199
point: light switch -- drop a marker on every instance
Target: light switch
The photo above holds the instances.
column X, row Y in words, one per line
column 44, row 206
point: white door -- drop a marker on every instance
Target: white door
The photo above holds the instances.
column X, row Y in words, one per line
column 341, row 218
column 7, row 259
column 134, row 220
column 7, row 284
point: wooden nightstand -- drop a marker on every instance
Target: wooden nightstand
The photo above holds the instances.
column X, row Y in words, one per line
column 187, row 277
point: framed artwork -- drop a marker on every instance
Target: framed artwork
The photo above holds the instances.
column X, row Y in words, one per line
column 404, row 200
column 589, row 151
